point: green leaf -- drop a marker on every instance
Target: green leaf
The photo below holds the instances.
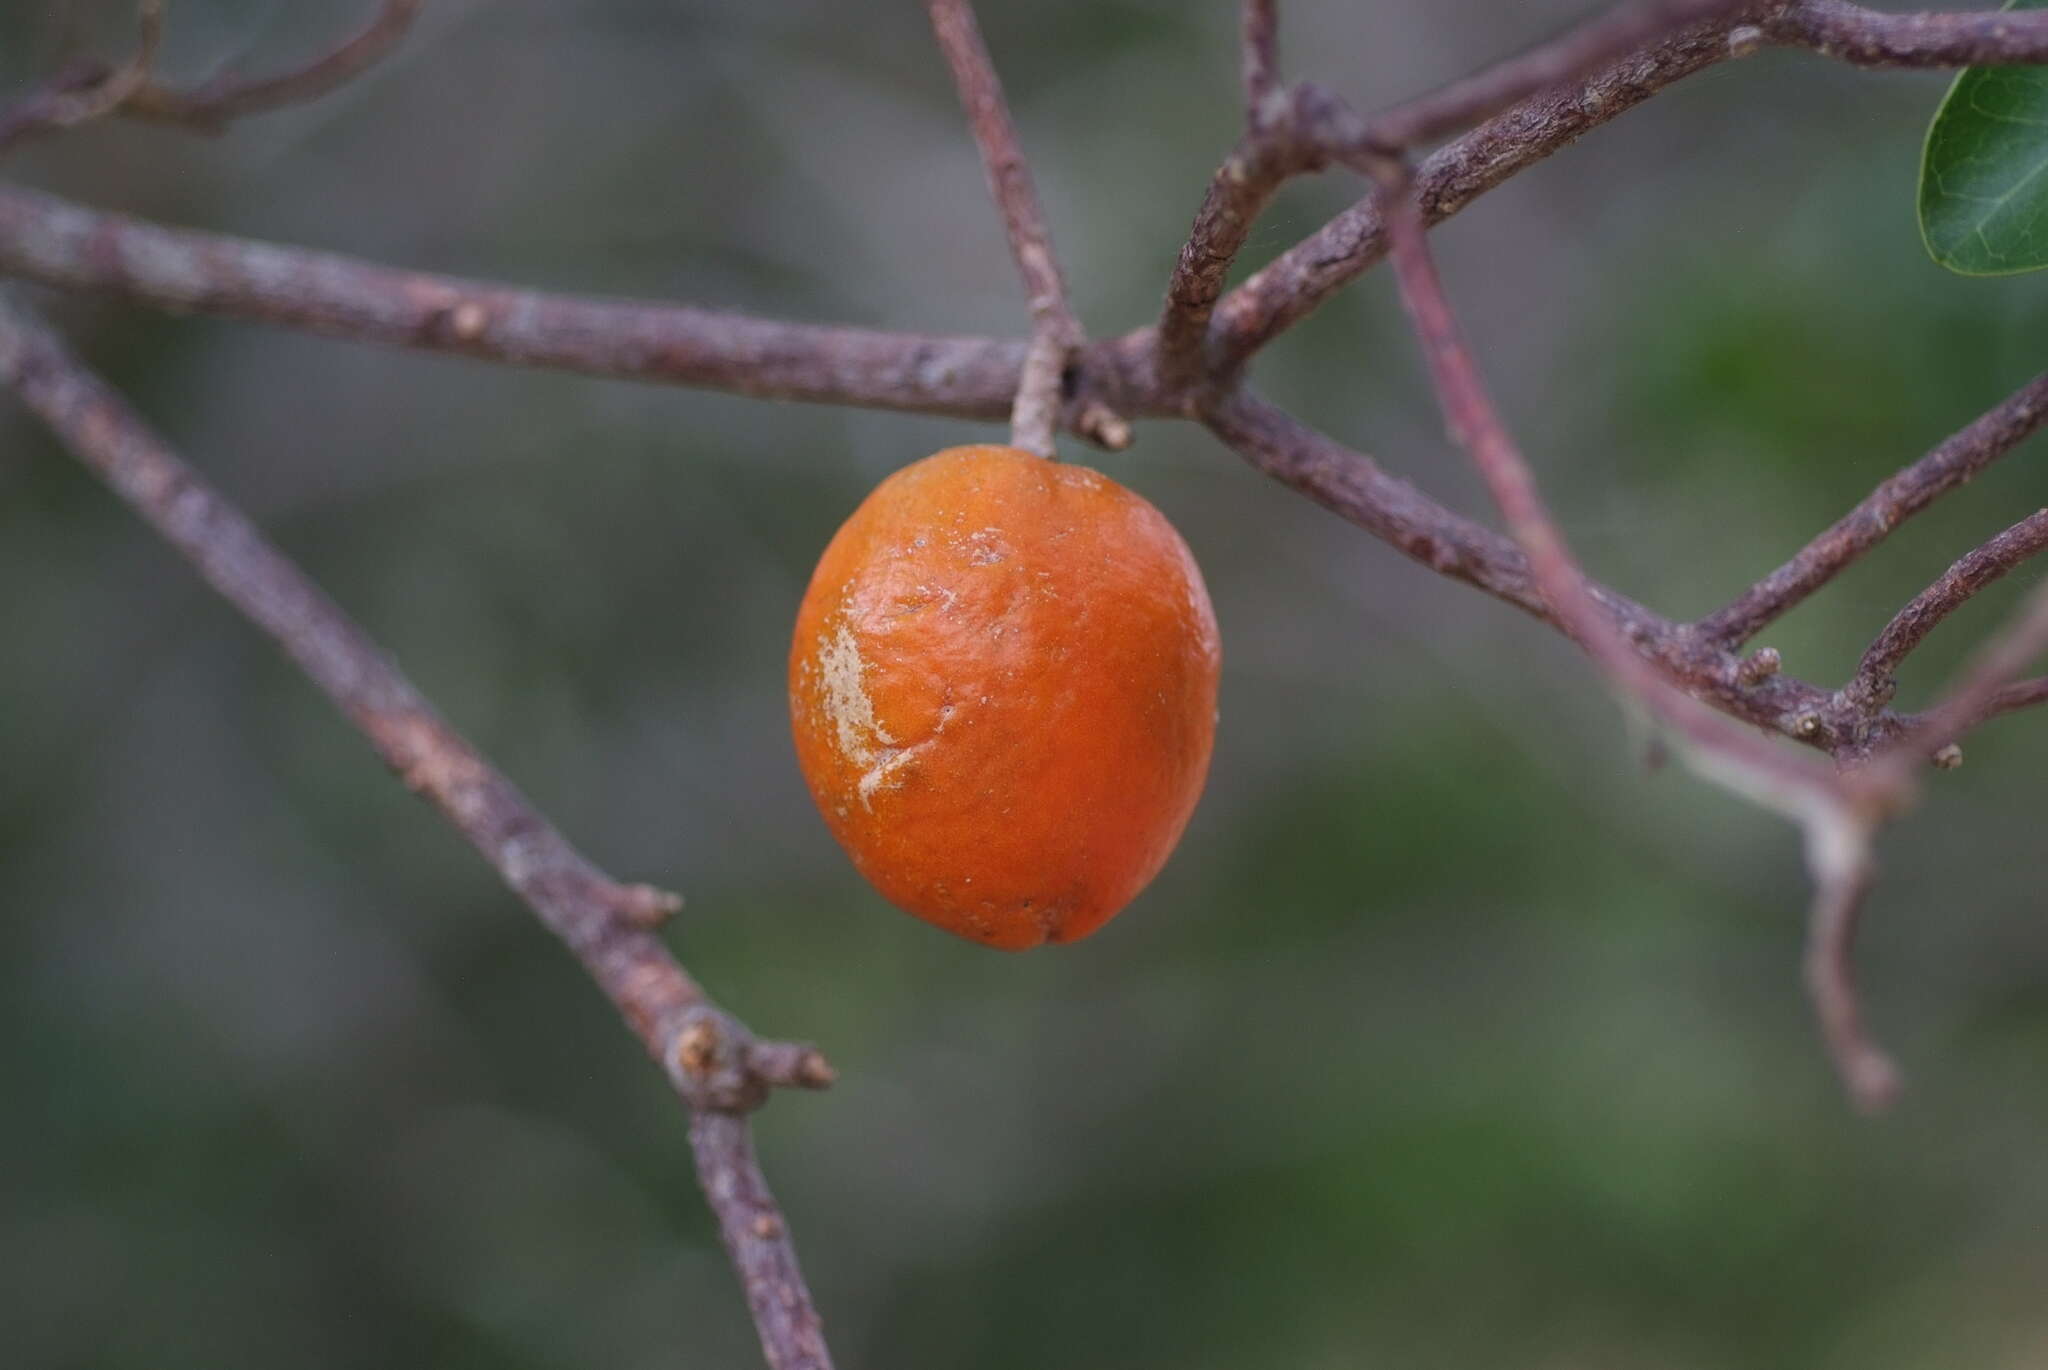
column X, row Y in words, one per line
column 1984, row 173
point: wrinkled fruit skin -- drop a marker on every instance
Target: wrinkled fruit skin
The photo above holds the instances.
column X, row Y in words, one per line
column 1003, row 690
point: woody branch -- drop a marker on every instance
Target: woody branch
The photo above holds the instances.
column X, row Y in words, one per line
column 63, row 244
column 1839, row 819
column 715, row 1064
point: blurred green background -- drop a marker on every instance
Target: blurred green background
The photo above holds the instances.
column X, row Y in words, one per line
column 1453, row 1037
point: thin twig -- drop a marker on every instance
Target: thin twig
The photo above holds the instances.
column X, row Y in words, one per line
column 1922, row 731
column 1259, row 41
column 1957, row 459
column 1300, row 279
column 1838, row 820
column 219, row 102
column 1304, row 130
column 1874, row 38
column 1270, row 151
column 1988, row 687
column 1293, row 285
column 1283, row 293
column 710, row 1058
column 1566, row 58
column 1873, row 685
column 56, row 242
column 757, row 1240
column 1240, row 189
column 1354, row 487
column 1872, row 1079
column 87, row 91
column 1476, row 426
column 2024, row 694
column 1056, row 333
column 41, row 109
column 1277, row 145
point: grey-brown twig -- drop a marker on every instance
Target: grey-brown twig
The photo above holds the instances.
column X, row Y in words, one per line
column 1838, row 820
column 1294, row 284
column 1300, row 130
column 757, row 1240
column 1259, row 55
column 1990, row 686
column 2009, row 699
column 1569, row 57
column 1291, row 287
column 1907, row 492
column 46, row 106
column 2024, row 694
column 90, row 89
column 1276, row 145
column 1873, row 685
column 712, row 1060
column 86, row 90
column 1476, row 426
column 1875, row 38
column 1351, row 485
column 1055, row 332
column 57, row 243
column 1871, row 1078
column 219, row 102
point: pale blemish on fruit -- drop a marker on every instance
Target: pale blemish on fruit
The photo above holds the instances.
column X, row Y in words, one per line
column 862, row 740
column 886, row 764
column 847, row 704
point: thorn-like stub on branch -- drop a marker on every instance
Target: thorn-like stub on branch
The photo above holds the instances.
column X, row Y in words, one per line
column 719, row 1065
column 814, row 1071
column 645, row 906
column 468, row 320
column 1103, row 426
column 1745, row 40
column 697, row 1048
column 709, row 1059
column 790, row 1065
column 1805, row 726
column 453, row 318
column 1759, row 666
column 1949, row 758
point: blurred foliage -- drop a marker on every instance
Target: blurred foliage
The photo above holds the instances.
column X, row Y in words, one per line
column 1453, row 1037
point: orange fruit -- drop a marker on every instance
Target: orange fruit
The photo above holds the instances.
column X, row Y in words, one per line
column 1003, row 689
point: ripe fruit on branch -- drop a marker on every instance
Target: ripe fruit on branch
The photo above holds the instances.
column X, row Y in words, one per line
column 1003, row 689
